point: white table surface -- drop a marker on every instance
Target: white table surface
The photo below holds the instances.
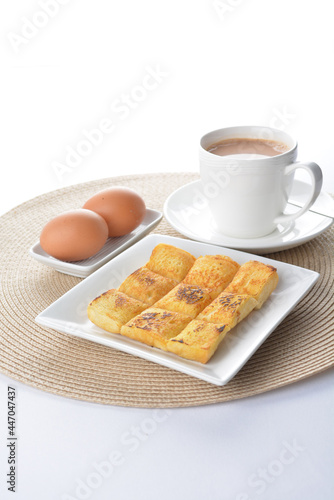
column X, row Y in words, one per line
column 275, row 445
column 216, row 63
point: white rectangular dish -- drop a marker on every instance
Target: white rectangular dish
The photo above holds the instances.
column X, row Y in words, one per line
column 69, row 313
column 112, row 247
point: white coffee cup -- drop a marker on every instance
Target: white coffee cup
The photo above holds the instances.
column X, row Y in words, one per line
column 247, row 197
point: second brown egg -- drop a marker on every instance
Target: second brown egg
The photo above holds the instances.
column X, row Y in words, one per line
column 122, row 208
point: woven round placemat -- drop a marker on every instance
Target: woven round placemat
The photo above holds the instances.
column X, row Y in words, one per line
column 61, row 364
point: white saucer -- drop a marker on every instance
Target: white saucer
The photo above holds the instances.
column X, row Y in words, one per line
column 187, row 211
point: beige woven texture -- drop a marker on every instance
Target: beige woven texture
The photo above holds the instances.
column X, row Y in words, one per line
column 61, row 364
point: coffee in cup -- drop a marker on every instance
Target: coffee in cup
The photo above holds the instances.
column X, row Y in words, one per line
column 247, row 148
column 247, row 175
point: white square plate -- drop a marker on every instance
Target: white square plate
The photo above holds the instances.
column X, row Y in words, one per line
column 113, row 247
column 69, row 313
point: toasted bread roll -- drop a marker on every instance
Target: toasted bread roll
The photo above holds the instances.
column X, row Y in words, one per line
column 171, row 262
column 155, row 326
column 212, row 271
column 181, row 304
column 186, row 299
column 228, row 309
column 147, row 286
column 256, row 279
column 113, row 309
column 198, row 341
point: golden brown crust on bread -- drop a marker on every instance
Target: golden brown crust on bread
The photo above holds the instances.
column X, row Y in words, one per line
column 188, row 318
column 256, row 279
column 113, row 309
column 170, row 261
column 198, row 341
column 212, row 271
column 186, row 299
column 147, row 286
column 155, row 326
column 228, row 309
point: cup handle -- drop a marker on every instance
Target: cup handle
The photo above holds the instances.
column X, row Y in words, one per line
column 316, row 177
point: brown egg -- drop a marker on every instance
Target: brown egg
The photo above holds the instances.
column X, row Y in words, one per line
column 74, row 235
column 121, row 207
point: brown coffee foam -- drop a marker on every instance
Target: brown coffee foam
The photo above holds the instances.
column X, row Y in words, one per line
column 301, row 346
column 236, row 146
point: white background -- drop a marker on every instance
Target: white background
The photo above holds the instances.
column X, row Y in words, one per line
column 265, row 62
column 259, row 62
